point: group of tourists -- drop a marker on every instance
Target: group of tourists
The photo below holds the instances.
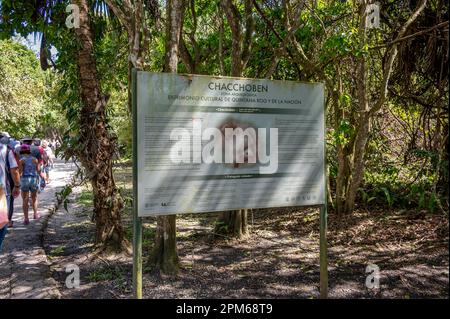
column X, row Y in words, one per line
column 24, row 169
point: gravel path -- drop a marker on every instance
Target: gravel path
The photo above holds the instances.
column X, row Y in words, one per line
column 24, row 266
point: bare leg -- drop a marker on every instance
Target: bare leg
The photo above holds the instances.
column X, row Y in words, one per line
column 47, row 176
column 25, row 196
column 34, row 202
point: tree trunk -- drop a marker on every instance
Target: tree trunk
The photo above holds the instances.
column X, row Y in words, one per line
column 165, row 255
column 362, row 129
column 343, row 169
column 97, row 144
column 220, row 53
column 233, row 18
column 358, row 163
column 365, row 111
column 235, row 222
column 342, row 179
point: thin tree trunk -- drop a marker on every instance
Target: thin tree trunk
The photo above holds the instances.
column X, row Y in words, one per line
column 234, row 20
column 362, row 130
column 439, row 146
column 343, row 167
column 358, row 163
column 235, row 222
column 365, row 111
column 165, row 255
column 97, row 144
column 221, row 62
column 342, row 179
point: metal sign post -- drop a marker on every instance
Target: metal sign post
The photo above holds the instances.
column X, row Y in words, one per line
column 323, row 253
column 323, row 221
column 137, row 222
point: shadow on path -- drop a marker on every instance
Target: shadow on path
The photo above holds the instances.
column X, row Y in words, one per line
column 24, row 267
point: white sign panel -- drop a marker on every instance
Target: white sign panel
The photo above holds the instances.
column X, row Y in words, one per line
column 209, row 144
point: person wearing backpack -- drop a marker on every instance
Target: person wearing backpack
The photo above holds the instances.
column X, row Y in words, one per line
column 37, row 152
column 30, row 170
column 5, row 188
column 49, row 154
column 10, row 143
column 43, row 162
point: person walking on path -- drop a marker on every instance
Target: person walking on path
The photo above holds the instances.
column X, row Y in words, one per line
column 37, row 152
column 30, row 169
column 10, row 144
column 8, row 166
column 50, row 157
column 42, row 161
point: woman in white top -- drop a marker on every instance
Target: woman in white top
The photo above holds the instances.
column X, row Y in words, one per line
column 50, row 157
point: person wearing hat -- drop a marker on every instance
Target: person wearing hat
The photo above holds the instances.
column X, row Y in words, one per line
column 49, row 163
column 35, row 151
column 8, row 170
column 10, row 144
column 38, row 152
column 4, row 137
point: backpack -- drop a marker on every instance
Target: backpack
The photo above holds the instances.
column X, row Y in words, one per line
column 9, row 178
column 44, row 156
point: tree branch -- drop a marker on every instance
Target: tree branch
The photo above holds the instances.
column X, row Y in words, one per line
column 249, row 28
column 274, row 31
column 392, row 55
column 437, row 26
column 282, row 47
column 124, row 17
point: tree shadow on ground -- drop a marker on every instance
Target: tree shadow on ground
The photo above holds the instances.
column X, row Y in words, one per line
column 279, row 259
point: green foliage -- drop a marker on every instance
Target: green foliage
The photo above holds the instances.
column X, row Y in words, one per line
column 85, row 198
column 105, row 273
column 365, row 197
column 402, row 163
column 63, row 196
column 22, row 89
column 221, row 226
column 421, row 198
column 388, row 195
column 343, row 134
column 57, row 251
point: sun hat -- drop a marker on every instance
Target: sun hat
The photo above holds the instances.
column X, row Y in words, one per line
column 27, row 140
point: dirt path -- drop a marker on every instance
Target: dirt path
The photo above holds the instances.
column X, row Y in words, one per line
column 24, row 266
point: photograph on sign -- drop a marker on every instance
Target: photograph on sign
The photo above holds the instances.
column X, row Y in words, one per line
column 209, row 144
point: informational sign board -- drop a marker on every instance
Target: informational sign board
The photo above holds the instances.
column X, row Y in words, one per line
column 209, row 144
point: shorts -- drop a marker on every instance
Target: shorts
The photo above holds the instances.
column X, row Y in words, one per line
column 47, row 169
column 29, row 184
